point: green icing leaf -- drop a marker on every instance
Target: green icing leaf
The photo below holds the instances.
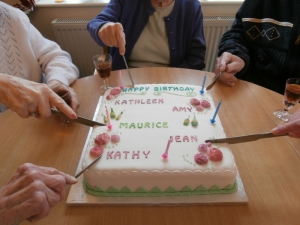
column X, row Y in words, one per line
column 215, row 188
column 126, row 190
column 201, row 188
column 156, row 190
column 229, row 187
column 113, row 190
column 141, row 190
column 171, row 190
column 186, row 189
column 99, row 189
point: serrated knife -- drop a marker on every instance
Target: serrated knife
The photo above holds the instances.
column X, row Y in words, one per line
column 79, row 119
column 246, row 138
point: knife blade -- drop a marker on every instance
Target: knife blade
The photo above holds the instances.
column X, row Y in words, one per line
column 82, row 171
column 245, row 138
column 214, row 81
column 128, row 70
column 79, row 119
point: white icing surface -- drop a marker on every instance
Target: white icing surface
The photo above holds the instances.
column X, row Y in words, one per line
column 180, row 169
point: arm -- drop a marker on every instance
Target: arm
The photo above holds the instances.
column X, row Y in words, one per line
column 31, row 193
column 24, row 97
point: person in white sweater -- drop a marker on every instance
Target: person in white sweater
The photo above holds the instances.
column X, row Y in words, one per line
column 26, row 54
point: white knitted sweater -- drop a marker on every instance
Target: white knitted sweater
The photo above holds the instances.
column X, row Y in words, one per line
column 25, row 53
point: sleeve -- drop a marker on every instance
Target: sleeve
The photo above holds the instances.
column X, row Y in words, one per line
column 195, row 55
column 234, row 42
column 111, row 13
column 56, row 64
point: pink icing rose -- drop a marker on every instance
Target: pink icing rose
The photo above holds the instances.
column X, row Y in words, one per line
column 109, row 97
column 194, row 102
column 209, row 144
column 115, row 91
column 96, row 151
column 202, row 148
column 205, row 103
column 199, row 108
column 102, row 139
column 201, row 158
column 215, row 154
column 115, row 138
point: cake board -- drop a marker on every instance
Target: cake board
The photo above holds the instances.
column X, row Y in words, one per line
column 78, row 196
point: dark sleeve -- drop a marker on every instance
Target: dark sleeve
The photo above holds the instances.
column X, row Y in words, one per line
column 111, row 13
column 234, row 42
column 195, row 55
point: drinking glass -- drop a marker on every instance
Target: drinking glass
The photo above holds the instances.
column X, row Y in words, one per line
column 290, row 98
column 103, row 64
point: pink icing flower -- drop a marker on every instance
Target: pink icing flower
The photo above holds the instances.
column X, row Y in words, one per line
column 194, row 102
column 201, row 158
column 115, row 138
column 202, row 148
column 109, row 97
column 96, row 151
column 215, row 154
column 199, row 108
column 115, row 91
column 205, row 103
column 209, row 144
column 102, row 139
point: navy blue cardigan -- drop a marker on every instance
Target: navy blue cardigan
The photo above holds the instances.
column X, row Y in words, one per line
column 184, row 28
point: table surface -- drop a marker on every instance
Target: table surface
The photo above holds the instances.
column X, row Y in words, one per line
column 269, row 168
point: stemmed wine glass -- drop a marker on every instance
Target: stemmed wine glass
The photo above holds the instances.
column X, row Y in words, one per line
column 103, row 64
column 290, row 98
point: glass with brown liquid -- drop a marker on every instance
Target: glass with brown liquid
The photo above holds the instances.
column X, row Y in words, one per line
column 290, row 98
column 103, row 63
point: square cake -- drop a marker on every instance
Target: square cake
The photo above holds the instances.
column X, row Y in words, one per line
column 154, row 144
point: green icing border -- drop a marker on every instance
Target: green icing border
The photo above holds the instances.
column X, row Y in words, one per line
column 156, row 192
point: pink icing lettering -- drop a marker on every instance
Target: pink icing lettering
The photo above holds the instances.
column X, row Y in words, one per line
column 161, row 101
column 142, row 101
column 148, row 101
column 175, row 109
column 124, row 102
column 136, row 154
column 117, row 102
column 190, row 108
column 177, row 138
column 126, row 153
column 117, row 155
column 194, row 138
column 137, row 101
column 182, row 109
column 154, row 101
column 109, row 155
column 185, row 138
column 146, row 154
column 131, row 101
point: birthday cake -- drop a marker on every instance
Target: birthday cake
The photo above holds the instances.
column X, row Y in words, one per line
column 154, row 144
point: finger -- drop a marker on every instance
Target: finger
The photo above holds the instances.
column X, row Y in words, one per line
column 74, row 103
column 59, row 103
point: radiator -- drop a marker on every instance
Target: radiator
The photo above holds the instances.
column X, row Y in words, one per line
column 73, row 37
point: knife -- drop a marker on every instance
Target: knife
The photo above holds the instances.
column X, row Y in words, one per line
column 82, row 171
column 246, row 138
column 128, row 70
column 79, row 119
column 214, row 81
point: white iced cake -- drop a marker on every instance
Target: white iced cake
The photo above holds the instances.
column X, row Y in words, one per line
column 153, row 144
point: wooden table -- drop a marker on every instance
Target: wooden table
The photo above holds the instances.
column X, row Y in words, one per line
column 269, row 168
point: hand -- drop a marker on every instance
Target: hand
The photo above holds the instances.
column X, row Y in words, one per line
column 292, row 127
column 65, row 92
column 31, row 193
column 25, row 97
column 112, row 35
column 230, row 65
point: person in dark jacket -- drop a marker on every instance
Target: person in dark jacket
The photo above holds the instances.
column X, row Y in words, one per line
column 263, row 44
column 155, row 33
